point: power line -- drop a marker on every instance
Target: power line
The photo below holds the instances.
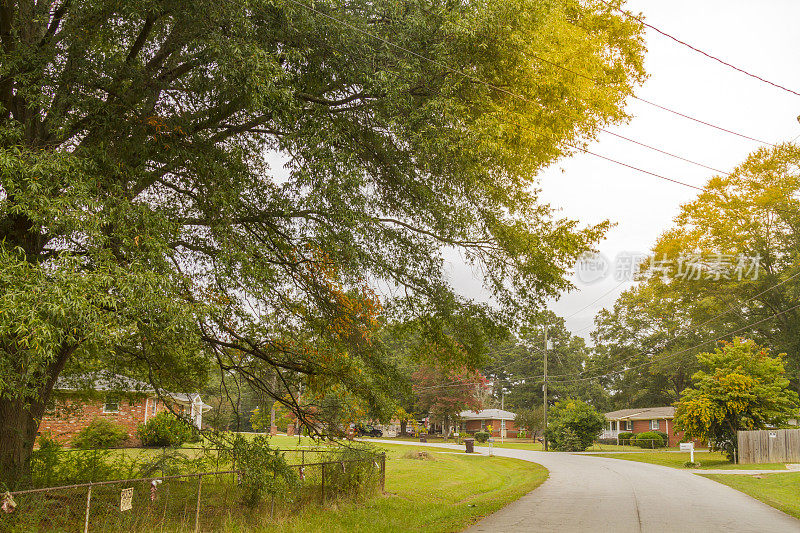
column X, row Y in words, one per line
column 708, row 321
column 515, row 95
column 681, row 352
column 695, row 49
column 659, row 176
column 578, row 379
column 665, row 152
column 648, row 102
column 587, row 306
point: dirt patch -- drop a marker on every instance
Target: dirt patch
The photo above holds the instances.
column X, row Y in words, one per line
column 420, row 456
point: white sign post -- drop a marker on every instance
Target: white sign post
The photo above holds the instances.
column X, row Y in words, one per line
column 688, row 447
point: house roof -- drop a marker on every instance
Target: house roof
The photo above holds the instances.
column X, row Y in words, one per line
column 642, row 413
column 105, row 381
column 488, row 414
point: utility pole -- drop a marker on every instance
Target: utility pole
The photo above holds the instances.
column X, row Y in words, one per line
column 502, row 416
column 544, row 386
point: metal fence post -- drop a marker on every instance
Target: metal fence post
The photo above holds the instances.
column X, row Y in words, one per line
column 322, row 465
column 88, row 506
column 383, row 471
column 197, row 511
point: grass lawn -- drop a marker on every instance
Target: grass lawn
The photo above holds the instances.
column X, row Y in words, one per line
column 781, row 491
column 443, row 494
column 710, row 460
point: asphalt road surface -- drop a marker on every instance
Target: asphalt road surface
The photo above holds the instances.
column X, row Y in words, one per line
column 610, row 495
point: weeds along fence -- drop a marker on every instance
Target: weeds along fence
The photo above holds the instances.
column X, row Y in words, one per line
column 69, row 466
column 205, row 501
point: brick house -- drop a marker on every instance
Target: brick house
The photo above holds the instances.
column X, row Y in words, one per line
column 641, row 420
column 124, row 401
column 472, row 422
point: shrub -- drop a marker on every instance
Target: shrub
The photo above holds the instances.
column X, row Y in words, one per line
column 356, row 473
column 664, row 437
column 649, row 439
column 164, row 429
column 575, row 425
column 45, row 461
column 482, row 436
column 100, row 433
column 625, row 437
column 569, row 441
column 607, row 441
column 264, row 470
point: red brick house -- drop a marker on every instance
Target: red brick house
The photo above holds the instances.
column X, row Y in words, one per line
column 641, row 420
column 472, row 422
column 123, row 401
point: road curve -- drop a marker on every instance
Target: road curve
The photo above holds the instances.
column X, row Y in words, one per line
column 600, row 494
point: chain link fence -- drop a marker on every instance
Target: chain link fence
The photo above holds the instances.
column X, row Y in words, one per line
column 206, row 501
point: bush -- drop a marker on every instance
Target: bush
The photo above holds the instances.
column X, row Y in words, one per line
column 45, row 461
column 357, row 472
column 625, row 437
column 164, row 429
column 482, row 436
column 649, row 439
column 607, row 441
column 100, row 433
column 265, row 471
column 664, row 437
column 575, row 425
column 569, row 441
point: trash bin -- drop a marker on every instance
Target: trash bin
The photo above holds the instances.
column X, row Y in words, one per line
column 470, row 444
column 423, row 438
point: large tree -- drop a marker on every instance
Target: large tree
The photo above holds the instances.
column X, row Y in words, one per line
column 196, row 182
column 444, row 393
column 517, row 364
column 739, row 387
column 728, row 267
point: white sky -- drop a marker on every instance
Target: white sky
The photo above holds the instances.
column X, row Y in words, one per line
column 761, row 37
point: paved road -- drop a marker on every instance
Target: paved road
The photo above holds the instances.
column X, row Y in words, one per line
column 610, row 495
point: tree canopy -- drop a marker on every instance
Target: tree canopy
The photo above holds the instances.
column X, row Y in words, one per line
column 729, row 266
column 740, row 387
column 255, row 186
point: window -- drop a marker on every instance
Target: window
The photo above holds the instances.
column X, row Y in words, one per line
column 654, row 425
column 111, row 404
column 153, row 406
column 626, row 425
column 613, row 425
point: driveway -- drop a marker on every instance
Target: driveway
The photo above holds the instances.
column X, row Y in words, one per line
column 610, row 495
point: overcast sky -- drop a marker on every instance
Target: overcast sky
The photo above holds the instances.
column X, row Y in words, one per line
column 761, row 37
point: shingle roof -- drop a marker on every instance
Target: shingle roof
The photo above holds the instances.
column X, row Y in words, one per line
column 488, row 414
column 108, row 382
column 642, row 413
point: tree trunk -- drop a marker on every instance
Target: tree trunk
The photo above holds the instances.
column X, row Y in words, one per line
column 403, row 427
column 19, row 422
column 18, row 427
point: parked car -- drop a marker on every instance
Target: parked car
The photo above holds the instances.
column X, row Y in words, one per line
column 365, row 430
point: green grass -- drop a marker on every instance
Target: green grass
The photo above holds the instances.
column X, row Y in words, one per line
column 708, row 460
column 444, row 494
column 778, row 490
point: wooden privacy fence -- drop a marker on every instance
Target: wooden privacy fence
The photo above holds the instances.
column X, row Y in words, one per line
column 769, row 446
